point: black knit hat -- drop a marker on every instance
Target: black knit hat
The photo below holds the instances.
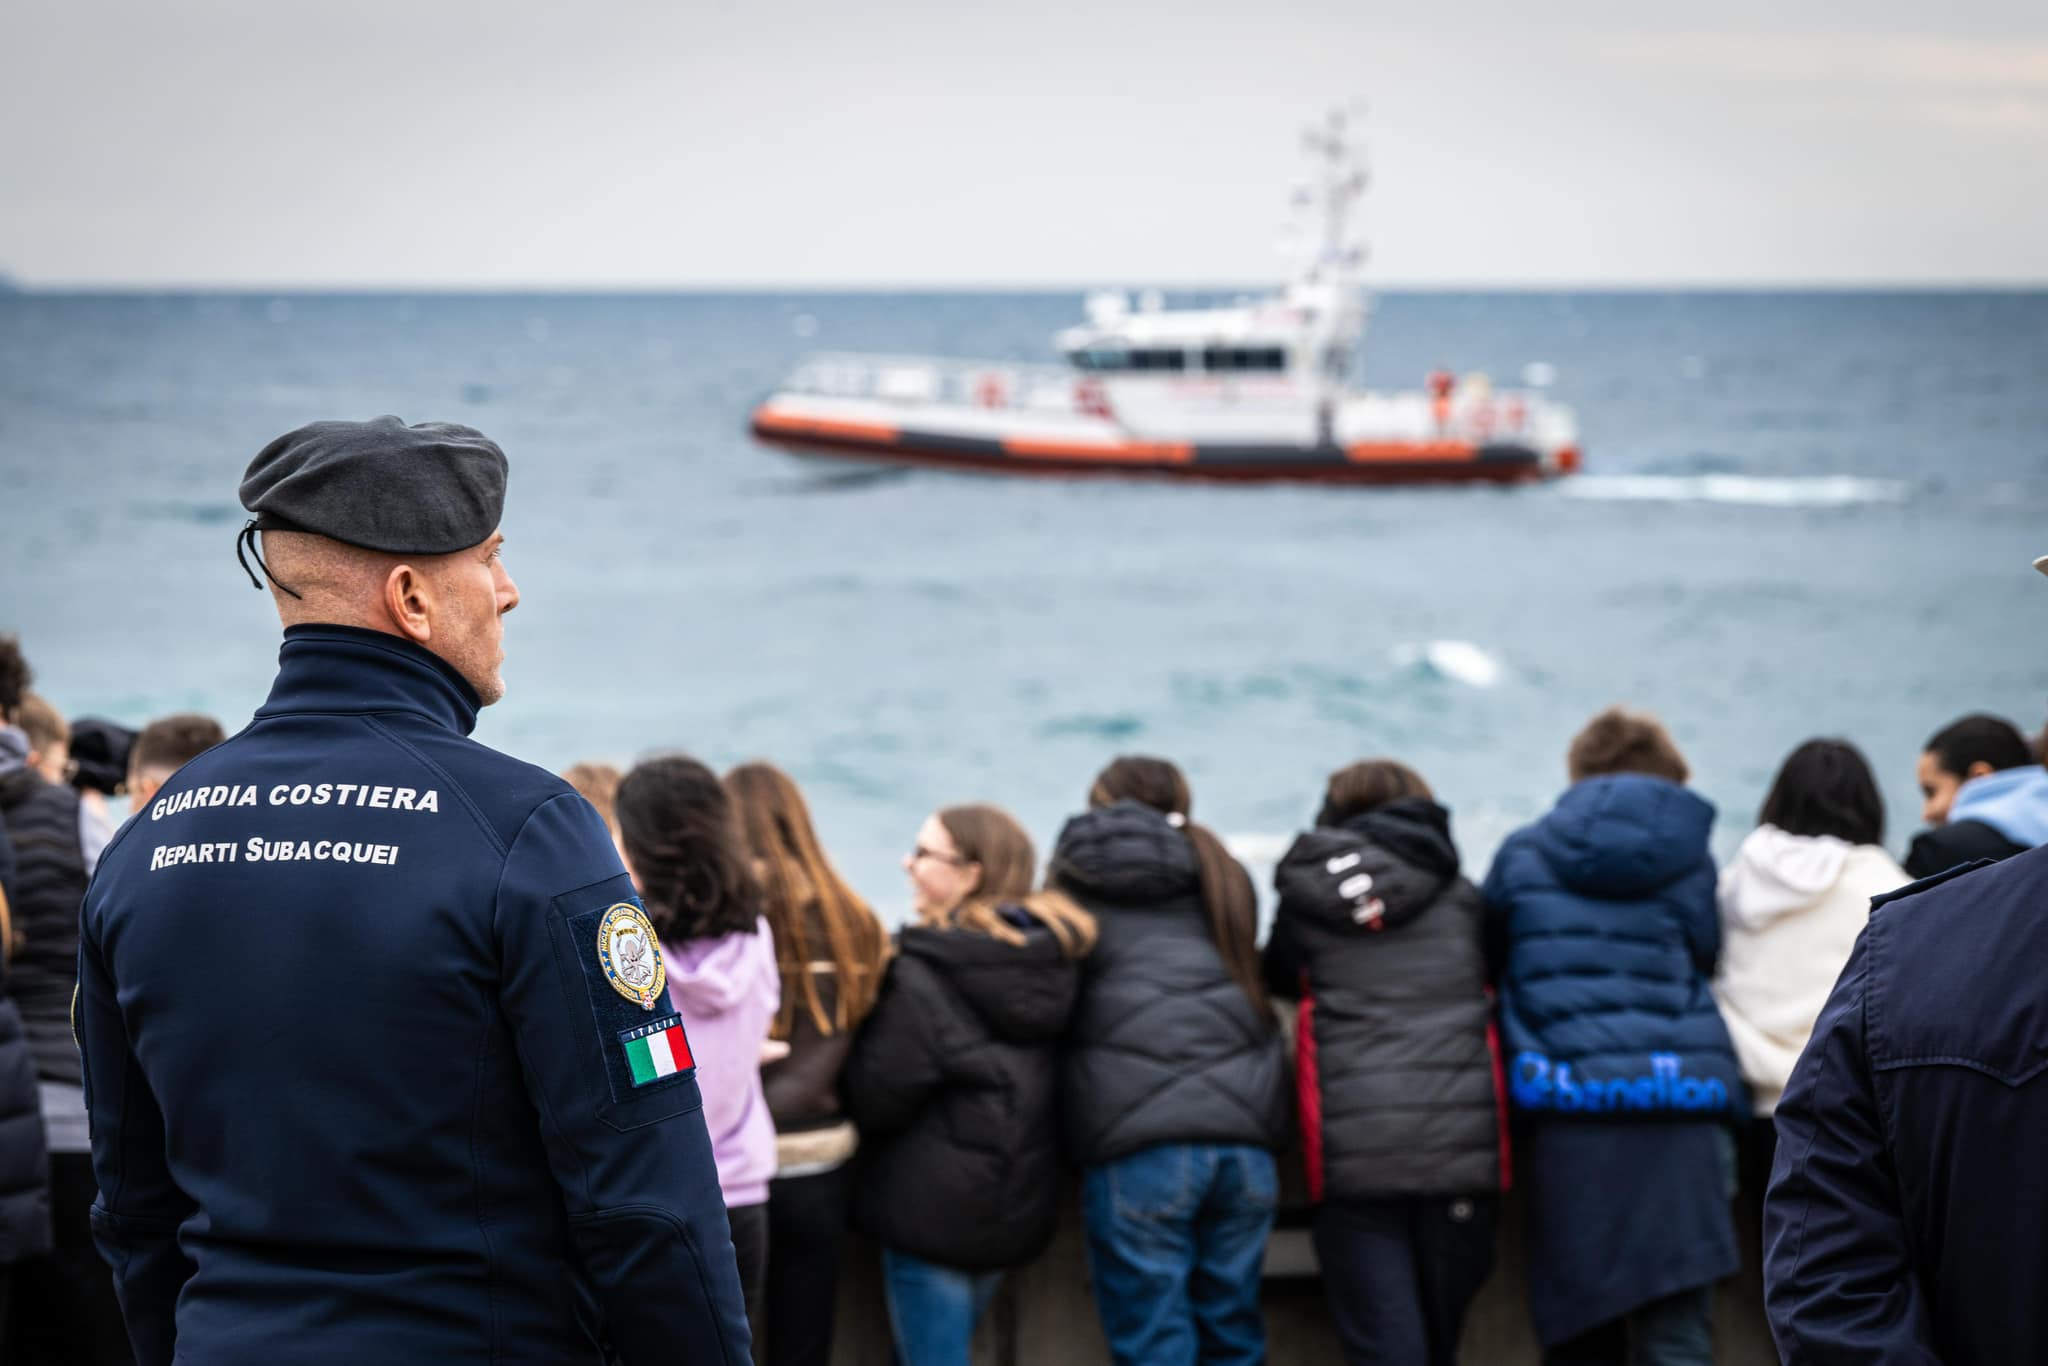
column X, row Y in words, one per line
column 429, row 489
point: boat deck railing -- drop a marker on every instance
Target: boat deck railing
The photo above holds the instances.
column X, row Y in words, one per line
column 1474, row 413
column 940, row 380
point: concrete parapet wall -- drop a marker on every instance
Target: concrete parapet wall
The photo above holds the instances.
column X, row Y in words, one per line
column 1044, row 1315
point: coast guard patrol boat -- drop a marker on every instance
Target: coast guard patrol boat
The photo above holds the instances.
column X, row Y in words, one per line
column 1255, row 391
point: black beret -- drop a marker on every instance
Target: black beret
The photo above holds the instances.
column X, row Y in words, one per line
column 429, row 489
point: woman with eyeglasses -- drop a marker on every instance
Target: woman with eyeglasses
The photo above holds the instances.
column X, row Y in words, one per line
column 952, row 1079
column 1175, row 1079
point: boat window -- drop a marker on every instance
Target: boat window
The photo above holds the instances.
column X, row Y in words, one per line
column 1244, row 358
column 1115, row 358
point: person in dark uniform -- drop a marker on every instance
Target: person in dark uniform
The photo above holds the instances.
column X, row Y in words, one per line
column 378, row 1056
column 1906, row 1203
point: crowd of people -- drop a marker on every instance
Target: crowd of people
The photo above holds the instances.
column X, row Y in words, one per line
column 1606, row 1019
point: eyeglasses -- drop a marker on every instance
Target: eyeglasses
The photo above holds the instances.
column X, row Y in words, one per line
column 920, row 852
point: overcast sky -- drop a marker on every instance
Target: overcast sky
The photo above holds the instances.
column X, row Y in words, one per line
column 622, row 143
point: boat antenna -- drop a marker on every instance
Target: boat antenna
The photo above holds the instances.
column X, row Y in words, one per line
column 1343, row 174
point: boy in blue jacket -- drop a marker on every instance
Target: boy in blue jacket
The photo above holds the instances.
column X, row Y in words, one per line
column 1603, row 930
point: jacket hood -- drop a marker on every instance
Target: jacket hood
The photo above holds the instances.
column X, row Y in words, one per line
column 1774, row 874
column 13, row 749
column 712, row 976
column 2013, row 801
column 1377, row 870
column 1126, row 853
column 1023, row 992
column 1625, row 834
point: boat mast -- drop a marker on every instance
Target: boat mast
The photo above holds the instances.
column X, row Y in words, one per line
column 1329, row 282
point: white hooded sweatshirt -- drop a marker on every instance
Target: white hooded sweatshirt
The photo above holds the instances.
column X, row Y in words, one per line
column 1791, row 908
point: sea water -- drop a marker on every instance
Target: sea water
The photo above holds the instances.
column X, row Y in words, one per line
column 1803, row 514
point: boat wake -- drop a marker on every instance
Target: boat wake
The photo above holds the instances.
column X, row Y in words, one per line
column 1455, row 661
column 1791, row 491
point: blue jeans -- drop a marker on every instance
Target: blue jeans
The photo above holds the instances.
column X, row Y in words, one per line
column 1675, row 1331
column 1176, row 1240
column 933, row 1309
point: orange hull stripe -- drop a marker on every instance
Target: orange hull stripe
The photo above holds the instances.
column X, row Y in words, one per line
column 825, row 426
column 1158, row 452
column 1366, row 451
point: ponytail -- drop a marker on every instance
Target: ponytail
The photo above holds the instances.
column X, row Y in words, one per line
column 1229, row 904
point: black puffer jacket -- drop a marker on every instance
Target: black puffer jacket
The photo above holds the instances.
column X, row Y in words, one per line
column 1166, row 1047
column 1381, row 940
column 951, row 1083
column 24, row 1168
column 49, row 888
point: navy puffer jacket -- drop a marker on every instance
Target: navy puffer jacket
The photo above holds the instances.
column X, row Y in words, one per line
column 1602, row 921
column 1165, row 1046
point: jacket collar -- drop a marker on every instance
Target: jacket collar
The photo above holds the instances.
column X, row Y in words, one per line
column 349, row 669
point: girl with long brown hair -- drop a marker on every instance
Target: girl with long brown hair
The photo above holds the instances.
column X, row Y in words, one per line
column 1176, row 1084
column 830, row 950
column 952, row 1080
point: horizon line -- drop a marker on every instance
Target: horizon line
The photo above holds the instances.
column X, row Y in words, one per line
column 16, row 286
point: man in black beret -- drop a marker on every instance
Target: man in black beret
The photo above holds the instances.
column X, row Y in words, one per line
column 368, row 1079
column 340, row 504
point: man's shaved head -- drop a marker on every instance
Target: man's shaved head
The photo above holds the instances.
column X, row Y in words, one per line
column 337, row 584
column 451, row 604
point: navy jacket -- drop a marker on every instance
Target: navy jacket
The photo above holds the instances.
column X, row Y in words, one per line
column 1603, row 923
column 1905, row 1211
column 357, row 1071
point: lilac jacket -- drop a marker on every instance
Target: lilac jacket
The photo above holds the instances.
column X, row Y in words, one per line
column 727, row 991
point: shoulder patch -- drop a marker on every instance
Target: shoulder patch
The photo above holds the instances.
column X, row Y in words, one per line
column 630, row 954
column 657, row 1050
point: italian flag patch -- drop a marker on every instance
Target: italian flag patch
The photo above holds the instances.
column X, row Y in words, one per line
column 657, row 1050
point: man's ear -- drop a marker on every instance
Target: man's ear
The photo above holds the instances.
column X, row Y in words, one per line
column 1977, row 770
column 409, row 602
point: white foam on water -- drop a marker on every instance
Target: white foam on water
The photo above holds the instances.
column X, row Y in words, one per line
column 1826, row 490
column 1460, row 661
